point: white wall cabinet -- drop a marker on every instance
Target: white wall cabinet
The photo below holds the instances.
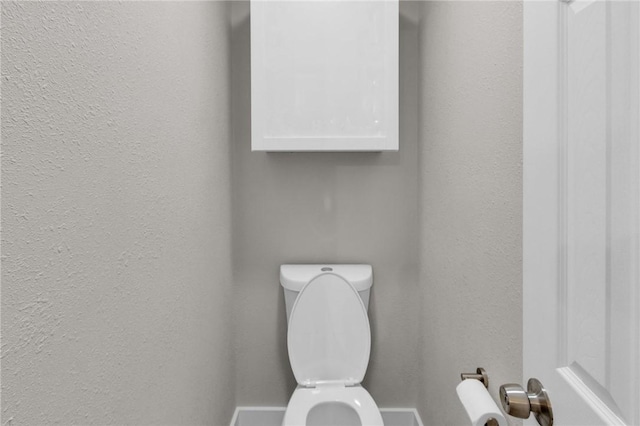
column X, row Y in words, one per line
column 324, row 75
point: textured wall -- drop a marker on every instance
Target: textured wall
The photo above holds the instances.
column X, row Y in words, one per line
column 471, row 199
column 115, row 213
column 328, row 207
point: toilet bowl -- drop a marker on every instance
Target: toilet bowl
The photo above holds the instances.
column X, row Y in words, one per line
column 329, row 343
column 328, row 406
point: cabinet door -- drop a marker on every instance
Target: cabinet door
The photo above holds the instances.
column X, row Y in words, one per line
column 324, row 75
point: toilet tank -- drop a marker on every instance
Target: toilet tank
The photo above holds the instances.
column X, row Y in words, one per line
column 294, row 277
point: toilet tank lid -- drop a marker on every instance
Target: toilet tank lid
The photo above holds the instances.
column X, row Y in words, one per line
column 294, row 277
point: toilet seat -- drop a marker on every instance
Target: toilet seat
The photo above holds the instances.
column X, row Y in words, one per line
column 329, row 343
column 329, row 338
column 357, row 397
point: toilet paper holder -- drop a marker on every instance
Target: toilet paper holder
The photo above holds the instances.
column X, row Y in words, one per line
column 480, row 375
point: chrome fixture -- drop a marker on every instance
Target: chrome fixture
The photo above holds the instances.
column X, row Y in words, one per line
column 480, row 375
column 518, row 403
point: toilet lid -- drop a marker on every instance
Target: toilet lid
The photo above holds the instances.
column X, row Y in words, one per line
column 329, row 339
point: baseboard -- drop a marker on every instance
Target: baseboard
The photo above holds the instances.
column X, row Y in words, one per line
column 272, row 416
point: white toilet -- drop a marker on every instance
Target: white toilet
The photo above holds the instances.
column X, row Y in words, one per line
column 329, row 342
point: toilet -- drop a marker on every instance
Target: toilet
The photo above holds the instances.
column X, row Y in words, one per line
column 329, row 342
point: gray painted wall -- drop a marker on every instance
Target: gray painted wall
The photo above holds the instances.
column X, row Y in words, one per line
column 116, row 272
column 119, row 184
column 470, row 199
column 329, row 207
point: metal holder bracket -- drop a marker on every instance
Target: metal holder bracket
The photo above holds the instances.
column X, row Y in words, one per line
column 480, row 375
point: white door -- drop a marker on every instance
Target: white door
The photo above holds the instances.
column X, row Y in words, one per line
column 581, row 208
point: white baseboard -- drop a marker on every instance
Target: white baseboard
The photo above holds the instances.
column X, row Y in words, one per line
column 272, row 416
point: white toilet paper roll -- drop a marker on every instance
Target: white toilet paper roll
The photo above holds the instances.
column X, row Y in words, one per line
column 478, row 403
